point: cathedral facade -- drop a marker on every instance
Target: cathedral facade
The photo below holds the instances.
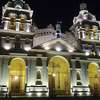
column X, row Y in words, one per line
column 46, row 62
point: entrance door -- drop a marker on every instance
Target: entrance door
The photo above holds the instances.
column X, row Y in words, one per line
column 59, row 76
column 15, row 85
column 17, row 77
column 51, row 85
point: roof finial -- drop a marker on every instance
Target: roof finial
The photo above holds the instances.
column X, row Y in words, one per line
column 83, row 6
column 18, row 3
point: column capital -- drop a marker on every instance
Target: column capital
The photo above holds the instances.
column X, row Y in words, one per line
column 27, row 28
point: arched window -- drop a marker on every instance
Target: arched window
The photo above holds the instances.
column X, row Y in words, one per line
column 22, row 22
column 12, row 23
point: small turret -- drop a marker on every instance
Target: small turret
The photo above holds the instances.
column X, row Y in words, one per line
column 83, row 6
column 58, row 29
column 84, row 14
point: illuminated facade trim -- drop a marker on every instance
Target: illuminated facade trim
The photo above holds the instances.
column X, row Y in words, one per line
column 46, row 62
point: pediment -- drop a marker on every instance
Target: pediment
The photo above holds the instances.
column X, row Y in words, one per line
column 57, row 44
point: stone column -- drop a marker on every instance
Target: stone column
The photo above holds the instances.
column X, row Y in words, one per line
column 27, row 28
column 31, row 71
column 84, row 74
column 44, row 71
column 83, row 34
column 6, row 25
column 17, row 26
column 74, row 78
column 99, row 36
column 1, row 62
column 79, row 35
column 92, row 35
column 5, row 74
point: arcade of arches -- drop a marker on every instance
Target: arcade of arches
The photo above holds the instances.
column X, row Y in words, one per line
column 58, row 72
column 59, row 78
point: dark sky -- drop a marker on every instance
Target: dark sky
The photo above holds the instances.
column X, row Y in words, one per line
column 51, row 11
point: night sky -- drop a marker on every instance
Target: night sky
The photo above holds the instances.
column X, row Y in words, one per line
column 50, row 11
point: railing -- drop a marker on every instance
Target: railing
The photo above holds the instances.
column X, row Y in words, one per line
column 88, row 35
column 37, row 91
column 3, row 90
column 30, row 91
column 81, row 91
column 16, row 32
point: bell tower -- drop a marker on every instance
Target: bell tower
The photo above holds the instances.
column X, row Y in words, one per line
column 17, row 16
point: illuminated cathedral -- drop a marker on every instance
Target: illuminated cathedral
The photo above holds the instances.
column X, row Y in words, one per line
column 47, row 62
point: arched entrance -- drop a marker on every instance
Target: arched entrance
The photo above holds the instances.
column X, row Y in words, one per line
column 17, row 76
column 94, row 78
column 59, row 76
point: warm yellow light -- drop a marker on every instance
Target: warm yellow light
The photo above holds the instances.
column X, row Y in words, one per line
column 17, row 69
column 59, row 68
column 53, row 74
column 16, row 77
